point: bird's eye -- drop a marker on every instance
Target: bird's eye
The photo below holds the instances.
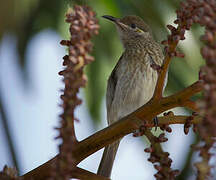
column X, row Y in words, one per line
column 133, row 26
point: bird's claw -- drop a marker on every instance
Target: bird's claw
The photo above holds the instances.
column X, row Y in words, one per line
column 155, row 119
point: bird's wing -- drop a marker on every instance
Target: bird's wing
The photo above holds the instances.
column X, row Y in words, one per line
column 111, row 85
column 155, row 56
column 158, row 58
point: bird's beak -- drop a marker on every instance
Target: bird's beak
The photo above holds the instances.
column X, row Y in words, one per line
column 111, row 18
column 116, row 21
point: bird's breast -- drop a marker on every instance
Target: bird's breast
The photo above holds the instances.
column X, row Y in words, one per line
column 135, row 86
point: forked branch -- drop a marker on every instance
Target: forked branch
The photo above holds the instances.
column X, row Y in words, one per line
column 126, row 126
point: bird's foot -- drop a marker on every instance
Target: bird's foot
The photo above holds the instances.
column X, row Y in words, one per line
column 155, row 119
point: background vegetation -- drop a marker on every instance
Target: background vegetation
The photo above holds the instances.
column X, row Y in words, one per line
column 24, row 19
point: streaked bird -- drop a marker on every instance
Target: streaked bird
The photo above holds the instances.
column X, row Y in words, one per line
column 132, row 81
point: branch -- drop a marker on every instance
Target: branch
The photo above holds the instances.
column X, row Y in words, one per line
column 86, row 175
column 155, row 106
column 170, row 50
column 42, row 172
column 162, row 75
column 125, row 126
column 177, row 120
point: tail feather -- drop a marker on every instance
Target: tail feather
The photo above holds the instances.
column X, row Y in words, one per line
column 107, row 160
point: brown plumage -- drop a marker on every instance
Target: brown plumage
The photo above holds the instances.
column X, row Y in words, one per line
column 132, row 81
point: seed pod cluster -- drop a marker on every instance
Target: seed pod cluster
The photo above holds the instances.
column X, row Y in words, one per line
column 83, row 25
column 161, row 160
column 202, row 12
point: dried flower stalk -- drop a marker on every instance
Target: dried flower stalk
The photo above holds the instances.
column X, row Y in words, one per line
column 83, row 25
column 9, row 174
column 204, row 13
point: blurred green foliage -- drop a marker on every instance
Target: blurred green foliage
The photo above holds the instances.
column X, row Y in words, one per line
column 25, row 18
column 31, row 17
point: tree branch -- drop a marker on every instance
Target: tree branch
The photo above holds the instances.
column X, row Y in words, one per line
column 86, row 175
column 42, row 172
column 127, row 125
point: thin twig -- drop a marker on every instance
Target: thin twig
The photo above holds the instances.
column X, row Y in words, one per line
column 8, row 136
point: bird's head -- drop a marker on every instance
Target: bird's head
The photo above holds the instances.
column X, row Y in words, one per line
column 132, row 29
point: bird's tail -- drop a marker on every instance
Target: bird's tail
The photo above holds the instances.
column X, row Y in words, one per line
column 107, row 160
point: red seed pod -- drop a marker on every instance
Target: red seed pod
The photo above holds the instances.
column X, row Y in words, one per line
column 190, row 118
column 165, row 114
column 152, row 159
column 161, row 135
column 172, row 54
column 179, row 54
column 164, row 42
column 189, row 22
column 195, row 114
column 206, row 20
column 135, row 134
column 157, row 167
column 162, row 138
column 166, row 49
column 166, row 154
column 162, row 128
column 159, row 176
column 177, row 21
column 182, row 33
column 65, row 42
column 73, row 59
column 149, row 150
column 61, row 73
column 195, row 128
column 171, row 28
column 170, row 113
column 77, row 120
column 186, row 130
column 201, row 75
column 176, row 38
column 168, row 129
column 176, row 172
column 195, row 19
column 208, row 37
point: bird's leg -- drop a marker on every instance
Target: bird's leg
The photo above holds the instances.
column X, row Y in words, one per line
column 155, row 119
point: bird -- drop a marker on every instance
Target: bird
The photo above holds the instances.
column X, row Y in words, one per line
column 133, row 80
